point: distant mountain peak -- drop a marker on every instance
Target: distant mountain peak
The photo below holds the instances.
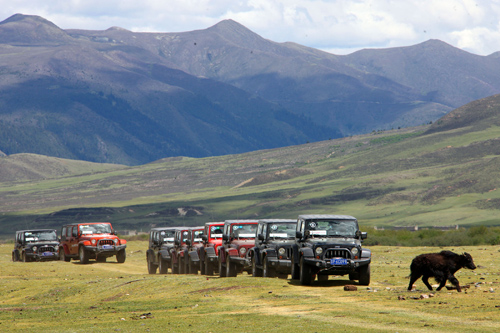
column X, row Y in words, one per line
column 30, row 29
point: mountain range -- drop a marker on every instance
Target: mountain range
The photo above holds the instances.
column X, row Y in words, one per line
column 122, row 97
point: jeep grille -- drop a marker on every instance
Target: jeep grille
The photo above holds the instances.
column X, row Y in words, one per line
column 46, row 249
column 106, row 242
column 338, row 253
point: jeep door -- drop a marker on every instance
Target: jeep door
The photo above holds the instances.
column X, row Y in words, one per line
column 72, row 238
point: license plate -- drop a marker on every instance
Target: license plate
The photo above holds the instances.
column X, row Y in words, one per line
column 107, row 247
column 338, row 261
column 47, row 254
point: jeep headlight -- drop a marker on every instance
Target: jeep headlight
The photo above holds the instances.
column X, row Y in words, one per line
column 354, row 251
column 116, row 241
column 34, row 248
column 243, row 250
column 281, row 251
column 319, row 250
column 93, row 241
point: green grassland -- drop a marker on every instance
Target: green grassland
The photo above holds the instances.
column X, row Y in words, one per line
column 438, row 174
column 102, row 297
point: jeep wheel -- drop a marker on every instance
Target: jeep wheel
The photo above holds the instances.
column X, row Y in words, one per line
column 222, row 269
column 202, row 267
column 162, row 265
column 230, row 268
column 121, row 256
column 62, row 255
column 151, row 266
column 84, row 256
column 295, row 270
column 322, row 278
column 267, row 270
column 181, row 265
column 364, row 275
column 193, row 269
column 305, row 273
column 15, row 255
column 173, row 266
column 209, row 268
column 256, row 272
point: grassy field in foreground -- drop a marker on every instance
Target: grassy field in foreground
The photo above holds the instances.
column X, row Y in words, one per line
column 103, row 297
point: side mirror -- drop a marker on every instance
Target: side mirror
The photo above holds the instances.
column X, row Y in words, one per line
column 114, row 232
column 261, row 237
column 176, row 242
column 225, row 237
column 364, row 235
column 204, row 238
column 188, row 242
column 298, row 235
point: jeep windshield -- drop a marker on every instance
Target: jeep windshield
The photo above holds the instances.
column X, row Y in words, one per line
column 331, row 228
column 91, row 229
column 244, row 231
column 282, row 231
column 216, row 231
column 167, row 236
column 40, row 236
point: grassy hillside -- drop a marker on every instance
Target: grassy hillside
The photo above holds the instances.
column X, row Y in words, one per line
column 441, row 174
column 104, row 297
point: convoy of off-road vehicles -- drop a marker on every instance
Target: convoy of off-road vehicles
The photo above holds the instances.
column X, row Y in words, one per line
column 307, row 248
column 313, row 246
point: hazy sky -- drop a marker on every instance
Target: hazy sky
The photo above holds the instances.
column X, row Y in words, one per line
column 336, row 26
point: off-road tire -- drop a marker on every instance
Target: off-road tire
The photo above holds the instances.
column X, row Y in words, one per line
column 62, row 255
column 230, row 268
column 121, row 256
column 256, row 271
column 267, row 270
column 152, row 267
column 192, row 267
column 209, row 268
column 222, row 269
column 162, row 265
column 84, row 255
column 364, row 275
column 295, row 270
column 305, row 273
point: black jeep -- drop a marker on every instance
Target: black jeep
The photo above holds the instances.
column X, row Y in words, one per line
column 35, row 245
column 272, row 254
column 329, row 245
column 161, row 241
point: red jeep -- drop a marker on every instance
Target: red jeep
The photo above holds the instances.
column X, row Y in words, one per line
column 208, row 252
column 86, row 241
column 238, row 237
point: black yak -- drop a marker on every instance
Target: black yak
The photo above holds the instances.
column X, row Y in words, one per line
column 442, row 266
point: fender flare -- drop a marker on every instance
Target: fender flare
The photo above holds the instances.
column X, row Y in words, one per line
column 193, row 255
column 222, row 254
column 256, row 255
column 366, row 253
column 232, row 252
column 164, row 254
column 210, row 252
column 201, row 253
column 306, row 252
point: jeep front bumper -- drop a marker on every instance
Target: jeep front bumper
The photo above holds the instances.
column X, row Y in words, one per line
column 42, row 256
column 105, row 249
column 337, row 265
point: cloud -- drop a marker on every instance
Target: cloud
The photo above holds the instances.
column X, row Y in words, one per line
column 338, row 26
